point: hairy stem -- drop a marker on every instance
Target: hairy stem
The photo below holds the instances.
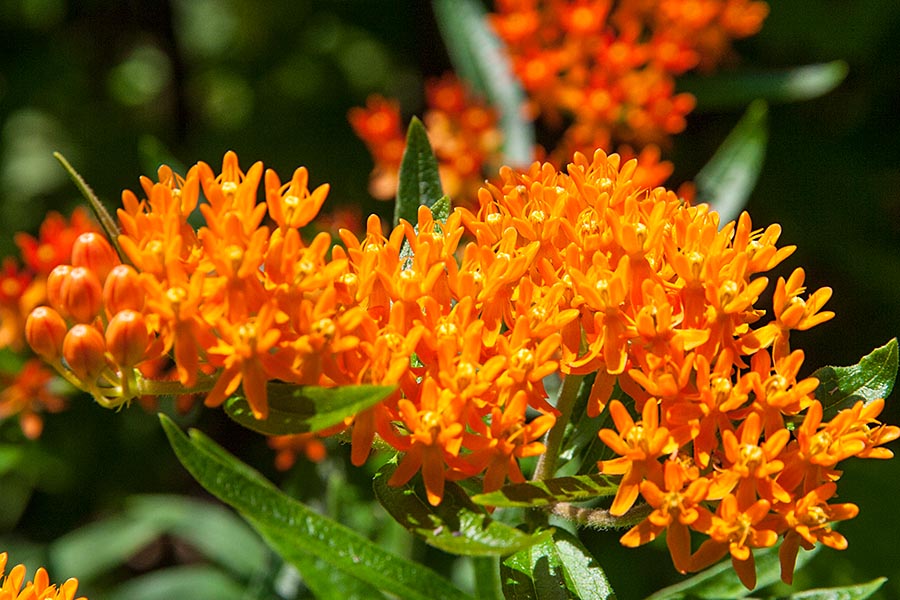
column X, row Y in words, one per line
column 568, row 392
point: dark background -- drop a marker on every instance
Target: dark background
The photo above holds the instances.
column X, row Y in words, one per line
column 116, row 86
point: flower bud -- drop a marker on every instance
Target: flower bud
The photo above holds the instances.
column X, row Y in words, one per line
column 45, row 331
column 127, row 338
column 122, row 290
column 84, row 351
column 82, row 296
column 93, row 252
column 54, row 288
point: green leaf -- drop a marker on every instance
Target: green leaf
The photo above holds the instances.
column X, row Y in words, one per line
column 10, row 457
column 440, row 210
column 456, row 525
column 556, row 568
column 727, row 180
column 208, row 528
column 729, row 91
column 107, row 223
column 860, row 591
column 549, row 491
column 94, row 549
column 871, row 379
column 720, row 580
column 420, row 182
column 303, row 409
column 478, row 56
column 292, row 529
column 197, row 582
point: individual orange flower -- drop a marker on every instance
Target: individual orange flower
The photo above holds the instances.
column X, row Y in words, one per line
column 808, row 521
column 640, row 445
column 734, row 531
column 676, row 509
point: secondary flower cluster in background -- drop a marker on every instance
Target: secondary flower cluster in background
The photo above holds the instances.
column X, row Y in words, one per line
column 596, row 73
column 11, row 586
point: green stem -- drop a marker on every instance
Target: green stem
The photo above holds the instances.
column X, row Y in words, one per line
column 568, row 392
column 152, row 387
column 600, row 518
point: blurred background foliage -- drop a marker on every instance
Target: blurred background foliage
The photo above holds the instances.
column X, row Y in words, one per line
column 120, row 86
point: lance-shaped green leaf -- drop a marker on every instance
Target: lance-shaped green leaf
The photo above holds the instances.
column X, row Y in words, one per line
column 304, row 409
column 729, row 91
column 549, row 491
column 721, row 581
column 292, row 529
column 560, row 567
column 456, row 525
column 860, row 591
column 110, row 228
column 419, row 181
column 871, row 379
column 727, row 180
column 480, row 59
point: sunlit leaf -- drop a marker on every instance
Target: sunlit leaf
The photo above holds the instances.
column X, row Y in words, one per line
column 419, row 180
column 871, row 379
column 727, row 180
column 480, row 59
column 720, row 580
column 456, row 525
column 304, row 409
column 292, row 529
column 733, row 90
column 560, row 567
column 549, row 491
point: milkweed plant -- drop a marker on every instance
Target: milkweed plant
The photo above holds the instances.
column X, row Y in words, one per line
column 542, row 339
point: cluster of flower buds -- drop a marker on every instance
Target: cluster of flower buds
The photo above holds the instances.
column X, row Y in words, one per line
column 93, row 331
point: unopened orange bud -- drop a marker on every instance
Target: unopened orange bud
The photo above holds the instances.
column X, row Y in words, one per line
column 54, row 288
column 45, row 331
column 122, row 290
column 127, row 338
column 93, row 252
column 82, row 295
column 84, row 351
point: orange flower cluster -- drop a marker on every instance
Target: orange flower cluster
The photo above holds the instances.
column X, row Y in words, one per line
column 461, row 128
column 602, row 72
column 39, row 589
column 570, row 273
column 23, row 286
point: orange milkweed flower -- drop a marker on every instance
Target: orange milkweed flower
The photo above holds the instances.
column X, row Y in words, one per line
column 27, row 393
column 676, row 509
column 734, row 531
column 807, row 520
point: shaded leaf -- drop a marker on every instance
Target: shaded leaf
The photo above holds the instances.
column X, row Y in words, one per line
column 197, row 582
column 728, row 91
column 872, row 378
column 456, row 525
column 556, row 568
column 304, row 409
column 293, row 530
column 720, row 580
column 859, row 591
column 549, row 491
column 727, row 180
column 208, row 528
column 480, row 59
column 94, row 549
column 419, row 180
